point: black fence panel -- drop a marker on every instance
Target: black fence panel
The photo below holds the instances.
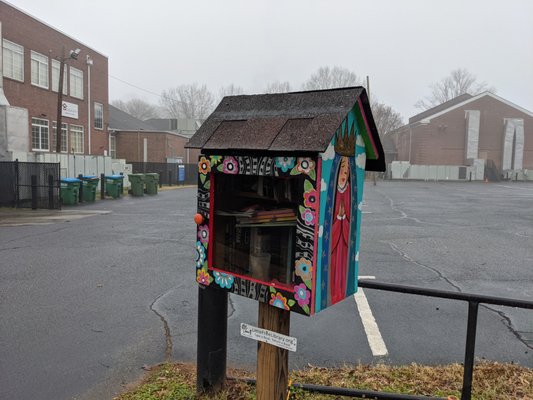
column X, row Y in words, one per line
column 169, row 173
column 29, row 185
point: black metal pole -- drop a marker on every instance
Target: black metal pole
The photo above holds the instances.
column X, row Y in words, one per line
column 80, row 196
column 34, row 192
column 466, row 393
column 16, row 183
column 169, row 178
column 212, row 339
column 102, row 186
column 50, row 192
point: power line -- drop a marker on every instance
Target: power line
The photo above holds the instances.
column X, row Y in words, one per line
column 135, row 86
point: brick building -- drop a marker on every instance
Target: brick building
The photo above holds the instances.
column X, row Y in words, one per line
column 138, row 141
column 31, row 55
column 484, row 130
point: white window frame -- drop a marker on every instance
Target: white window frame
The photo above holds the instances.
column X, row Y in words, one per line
column 76, row 83
column 56, row 65
column 113, row 146
column 41, row 127
column 39, row 70
column 98, row 116
column 64, row 137
column 13, row 60
column 77, row 138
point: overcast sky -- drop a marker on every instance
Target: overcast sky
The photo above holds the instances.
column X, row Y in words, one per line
column 403, row 46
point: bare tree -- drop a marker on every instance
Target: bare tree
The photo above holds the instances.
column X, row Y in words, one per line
column 459, row 82
column 188, row 101
column 386, row 118
column 278, row 87
column 328, row 78
column 230, row 90
column 138, row 108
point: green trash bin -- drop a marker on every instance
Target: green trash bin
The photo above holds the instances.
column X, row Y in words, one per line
column 70, row 189
column 137, row 184
column 114, row 185
column 151, row 181
column 90, row 183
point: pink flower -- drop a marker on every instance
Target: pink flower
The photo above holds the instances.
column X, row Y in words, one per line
column 230, row 166
column 308, row 216
column 203, row 233
column 203, row 278
column 302, row 295
column 305, row 165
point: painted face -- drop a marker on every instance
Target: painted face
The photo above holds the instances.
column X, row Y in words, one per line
column 344, row 173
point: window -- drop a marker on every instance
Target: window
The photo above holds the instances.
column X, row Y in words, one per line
column 39, row 134
column 39, row 70
column 98, row 116
column 255, row 226
column 113, row 146
column 64, row 137
column 76, row 83
column 55, row 77
column 13, row 61
column 76, row 132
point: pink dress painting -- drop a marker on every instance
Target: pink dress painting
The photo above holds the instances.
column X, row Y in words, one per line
column 340, row 234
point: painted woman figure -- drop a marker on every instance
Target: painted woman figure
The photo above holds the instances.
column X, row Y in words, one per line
column 340, row 233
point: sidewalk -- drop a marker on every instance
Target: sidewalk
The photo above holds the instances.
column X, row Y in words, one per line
column 21, row 217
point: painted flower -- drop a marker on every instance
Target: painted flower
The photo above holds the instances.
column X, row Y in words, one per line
column 231, row 166
column 311, row 199
column 285, row 163
column 203, row 277
column 308, row 216
column 302, row 295
column 200, row 255
column 223, row 280
column 305, row 165
column 304, row 269
column 203, row 233
column 204, row 166
column 277, row 300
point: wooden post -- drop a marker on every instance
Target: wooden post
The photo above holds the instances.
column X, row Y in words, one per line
column 272, row 361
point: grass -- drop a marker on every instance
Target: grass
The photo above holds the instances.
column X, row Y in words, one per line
column 492, row 381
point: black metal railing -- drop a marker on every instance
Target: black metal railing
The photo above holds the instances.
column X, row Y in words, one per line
column 473, row 300
column 169, row 173
column 29, row 185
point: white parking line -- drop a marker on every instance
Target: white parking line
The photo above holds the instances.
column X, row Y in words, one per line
column 373, row 335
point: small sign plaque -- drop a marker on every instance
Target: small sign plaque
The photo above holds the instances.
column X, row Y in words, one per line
column 270, row 337
column 69, row 110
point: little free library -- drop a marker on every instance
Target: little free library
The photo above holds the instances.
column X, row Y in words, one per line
column 280, row 189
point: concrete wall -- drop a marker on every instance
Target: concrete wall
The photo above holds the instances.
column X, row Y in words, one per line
column 405, row 170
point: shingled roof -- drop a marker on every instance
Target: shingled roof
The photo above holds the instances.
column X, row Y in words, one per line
column 284, row 122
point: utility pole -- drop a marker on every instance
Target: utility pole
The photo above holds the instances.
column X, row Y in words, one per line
column 73, row 54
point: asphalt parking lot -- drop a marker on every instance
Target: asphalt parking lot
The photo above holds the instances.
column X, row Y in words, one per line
column 86, row 295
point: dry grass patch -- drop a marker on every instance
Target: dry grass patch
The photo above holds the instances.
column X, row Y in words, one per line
column 492, row 381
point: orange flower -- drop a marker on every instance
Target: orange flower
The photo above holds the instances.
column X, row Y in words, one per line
column 204, row 166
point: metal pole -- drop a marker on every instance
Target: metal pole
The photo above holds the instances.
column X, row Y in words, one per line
column 102, row 186
column 34, row 192
column 466, row 393
column 81, row 188
column 212, row 339
column 60, row 101
column 50, row 192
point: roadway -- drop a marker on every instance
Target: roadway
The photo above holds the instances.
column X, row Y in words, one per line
column 91, row 295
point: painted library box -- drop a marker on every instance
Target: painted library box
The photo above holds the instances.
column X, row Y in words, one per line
column 280, row 188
